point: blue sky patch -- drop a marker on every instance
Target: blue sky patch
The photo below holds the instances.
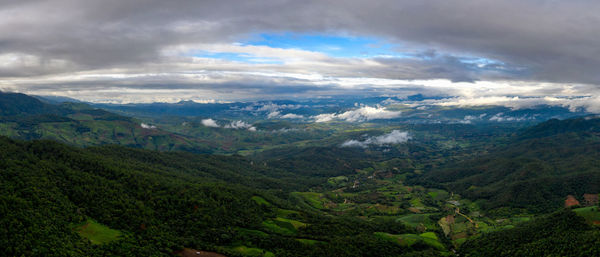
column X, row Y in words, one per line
column 335, row 46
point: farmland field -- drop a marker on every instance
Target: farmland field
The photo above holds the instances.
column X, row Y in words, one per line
column 97, row 233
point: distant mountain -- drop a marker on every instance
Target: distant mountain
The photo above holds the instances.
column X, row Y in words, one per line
column 413, row 109
column 535, row 171
column 588, row 124
column 56, row 99
column 20, row 104
column 26, row 117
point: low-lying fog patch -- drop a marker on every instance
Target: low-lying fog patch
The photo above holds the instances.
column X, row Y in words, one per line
column 364, row 113
column 238, row 124
column 147, row 126
column 394, row 137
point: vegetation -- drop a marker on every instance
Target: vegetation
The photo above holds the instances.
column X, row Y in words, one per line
column 536, row 171
column 97, row 233
column 151, row 203
column 559, row 234
column 289, row 188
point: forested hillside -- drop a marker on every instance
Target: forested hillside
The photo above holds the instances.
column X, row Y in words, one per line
column 559, row 234
column 535, row 171
column 26, row 117
column 143, row 203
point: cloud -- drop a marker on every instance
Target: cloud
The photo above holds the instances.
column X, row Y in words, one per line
column 500, row 117
column 210, row 123
column 271, row 107
column 277, row 114
column 273, row 114
column 292, row 116
column 394, row 137
column 125, row 51
column 240, row 125
column 286, row 130
column 468, row 119
column 364, row 113
column 325, row 117
column 147, row 126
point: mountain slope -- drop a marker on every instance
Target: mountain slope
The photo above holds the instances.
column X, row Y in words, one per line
column 536, row 171
column 559, row 234
column 26, row 117
column 155, row 204
column 19, row 104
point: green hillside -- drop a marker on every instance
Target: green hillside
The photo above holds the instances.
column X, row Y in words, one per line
column 146, row 203
column 26, row 117
column 559, row 234
column 536, row 171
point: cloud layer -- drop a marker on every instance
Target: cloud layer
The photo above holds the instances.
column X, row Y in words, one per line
column 394, row 137
column 238, row 124
column 210, row 123
column 364, row 113
column 144, row 51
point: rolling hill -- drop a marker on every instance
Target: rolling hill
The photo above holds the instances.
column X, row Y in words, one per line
column 26, row 117
column 58, row 200
column 536, row 171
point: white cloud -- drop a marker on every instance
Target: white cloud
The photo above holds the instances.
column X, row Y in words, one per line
column 147, row 126
column 285, row 130
column 240, row 125
column 292, row 116
column 277, row 114
column 325, row 117
column 364, row 113
column 273, row 114
column 394, row 137
column 210, row 123
column 500, row 117
column 470, row 118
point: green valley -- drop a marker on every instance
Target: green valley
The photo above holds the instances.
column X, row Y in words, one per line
column 82, row 181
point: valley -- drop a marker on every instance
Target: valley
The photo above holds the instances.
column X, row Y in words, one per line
column 164, row 185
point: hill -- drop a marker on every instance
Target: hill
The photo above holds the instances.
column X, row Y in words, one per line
column 535, row 171
column 58, row 200
column 559, row 234
column 18, row 104
column 26, row 117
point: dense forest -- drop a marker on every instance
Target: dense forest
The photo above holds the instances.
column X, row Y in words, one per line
column 162, row 202
column 559, row 234
column 536, row 171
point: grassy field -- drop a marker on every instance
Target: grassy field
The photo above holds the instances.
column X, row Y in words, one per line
column 414, row 220
column 590, row 214
column 260, row 200
column 308, row 241
column 428, row 238
column 280, row 227
column 313, row 199
column 97, row 233
column 254, row 252
column 295, row 223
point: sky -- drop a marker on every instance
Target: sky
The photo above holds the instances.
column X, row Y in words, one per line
column 471, row 51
